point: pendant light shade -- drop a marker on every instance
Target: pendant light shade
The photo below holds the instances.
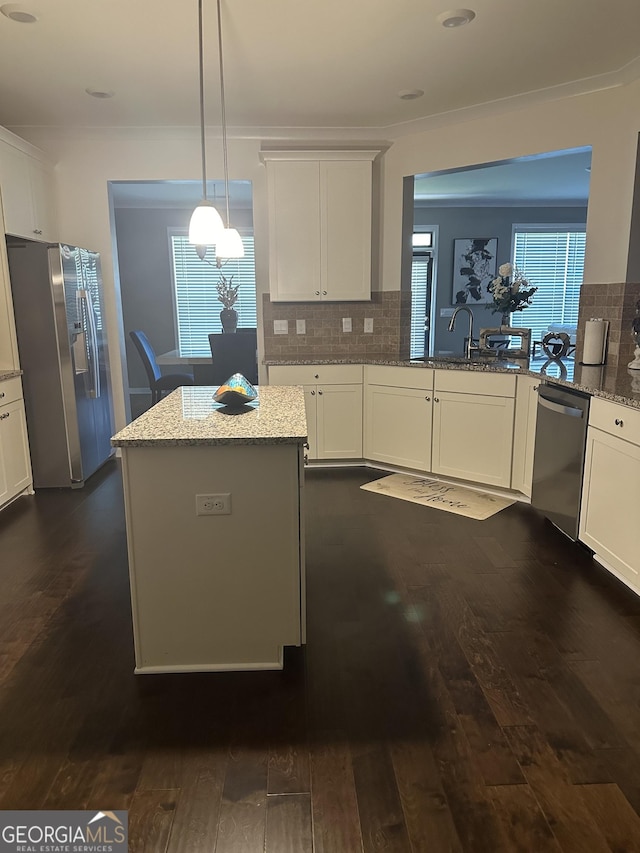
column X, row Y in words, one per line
column 205, row 225
column 229, row 244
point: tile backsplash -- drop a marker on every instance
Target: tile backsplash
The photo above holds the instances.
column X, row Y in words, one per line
column 615, row 303
column 390, row 311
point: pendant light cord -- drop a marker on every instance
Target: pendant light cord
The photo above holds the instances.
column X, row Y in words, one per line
column 202, row 143
column 223, row 112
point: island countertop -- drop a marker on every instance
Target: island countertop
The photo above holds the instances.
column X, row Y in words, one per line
column 190, row 416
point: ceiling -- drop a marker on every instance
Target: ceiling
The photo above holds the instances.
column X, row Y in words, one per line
column 558, row 178
column 301, row 64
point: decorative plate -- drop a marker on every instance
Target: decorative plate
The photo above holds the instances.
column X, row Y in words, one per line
column 235, row 392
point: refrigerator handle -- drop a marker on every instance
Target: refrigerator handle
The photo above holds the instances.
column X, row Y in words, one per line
column 92, row 344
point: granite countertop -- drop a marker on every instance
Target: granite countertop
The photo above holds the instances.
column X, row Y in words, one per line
column 618, row 384
column 9, row 374
column 189, row 416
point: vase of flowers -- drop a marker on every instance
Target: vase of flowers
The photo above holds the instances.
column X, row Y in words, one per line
column 228, row 294
column 510, row 291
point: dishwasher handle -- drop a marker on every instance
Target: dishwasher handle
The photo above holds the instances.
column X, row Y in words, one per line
column 560, row 409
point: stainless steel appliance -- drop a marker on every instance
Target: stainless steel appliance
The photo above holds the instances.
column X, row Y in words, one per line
column 57, row 297
column 558, row 462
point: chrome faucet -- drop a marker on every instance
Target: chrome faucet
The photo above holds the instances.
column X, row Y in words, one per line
column 469, row 347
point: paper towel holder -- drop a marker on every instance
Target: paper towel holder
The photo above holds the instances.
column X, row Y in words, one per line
column 605, row 335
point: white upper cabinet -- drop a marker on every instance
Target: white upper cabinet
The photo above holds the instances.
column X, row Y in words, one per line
column 320, row 214
column 26, row 183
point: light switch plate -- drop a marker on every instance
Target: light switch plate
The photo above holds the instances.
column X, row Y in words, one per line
column 280, row 327
column 346, row 324
column 301, row 327
column 368, row 324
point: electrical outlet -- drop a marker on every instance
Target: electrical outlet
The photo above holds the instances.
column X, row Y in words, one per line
column 280, row 327
column 213, row 504
column 368, row 324
column 301, row 327
column 346, row 324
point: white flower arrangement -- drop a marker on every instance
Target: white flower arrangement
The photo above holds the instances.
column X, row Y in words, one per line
column 510, row 290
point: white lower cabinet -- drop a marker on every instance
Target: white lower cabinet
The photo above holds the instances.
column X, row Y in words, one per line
column 473, row 426
column 398, row 411
column 333, row 401
column 524, row 433
column 15, row 464
column 611, row 489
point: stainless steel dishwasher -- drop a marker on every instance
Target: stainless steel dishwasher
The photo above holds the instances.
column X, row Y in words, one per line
column 558, row 462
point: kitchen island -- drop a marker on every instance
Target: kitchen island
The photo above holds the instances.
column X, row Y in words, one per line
column 213, row 503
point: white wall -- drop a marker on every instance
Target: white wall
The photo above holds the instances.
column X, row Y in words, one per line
column 608, row 121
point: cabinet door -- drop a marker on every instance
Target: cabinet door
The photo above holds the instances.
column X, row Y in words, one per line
column 524, row 434
column 294, row 231
column 398, row 426
column 15, row 183
column 15, row 467
column 310, row 406
column 345, row 204
column 473, row 437
column 611, row 503
column 40, row 177
column 8, row 342
column 339, row 421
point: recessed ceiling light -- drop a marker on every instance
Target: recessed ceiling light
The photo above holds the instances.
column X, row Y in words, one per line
column 410, row 94
column 18, row 14
column 100, row 93
column 456, row 17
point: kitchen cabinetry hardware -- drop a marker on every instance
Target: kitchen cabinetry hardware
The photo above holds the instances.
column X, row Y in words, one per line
column 436, row 399
column 1, row 394
column 320, row 393
column 313, row 393
column 619, row 422
column 306, row 445
column 4, row 415
column 317, row 293
column 316, row 376
column 428, row 399
column 324, row 292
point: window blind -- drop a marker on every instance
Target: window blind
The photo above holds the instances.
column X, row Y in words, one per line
column 196, row 295
column 419, row 297
column 553, row 261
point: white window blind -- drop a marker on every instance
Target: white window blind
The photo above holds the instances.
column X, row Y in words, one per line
column 196, row 295
column 419, row 296
column 552, row 259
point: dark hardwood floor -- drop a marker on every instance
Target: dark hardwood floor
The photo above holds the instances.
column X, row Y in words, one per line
column 467, row 686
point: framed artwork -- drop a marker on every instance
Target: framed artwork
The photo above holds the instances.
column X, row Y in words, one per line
column 474, row 266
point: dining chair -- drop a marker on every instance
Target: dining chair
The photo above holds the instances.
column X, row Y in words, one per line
column 235, row 353
column 159, row 383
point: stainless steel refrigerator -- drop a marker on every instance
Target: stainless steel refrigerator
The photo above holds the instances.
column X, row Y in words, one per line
column 57, row 298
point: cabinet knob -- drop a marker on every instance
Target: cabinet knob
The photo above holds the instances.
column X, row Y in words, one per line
column 316, row 376
column 5, row 415
column 436, row 399
column 619, row 422
column 428, row 399
column 320, row 393
column 37, row 231
column 306, row 459
column 324, row 292
column 313, row 393
column 317, row 293
column 306, row 445
column 1, row 395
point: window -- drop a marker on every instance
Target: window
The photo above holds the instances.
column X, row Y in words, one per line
column 420, row 292
column 196, row 296
column 551, row 257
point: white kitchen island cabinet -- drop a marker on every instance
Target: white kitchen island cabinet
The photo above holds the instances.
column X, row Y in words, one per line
column 320, row 216
column 215, row 591
column 611, row 489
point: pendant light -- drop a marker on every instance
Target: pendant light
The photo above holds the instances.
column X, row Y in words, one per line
column 229, row 242
column 206, row 223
